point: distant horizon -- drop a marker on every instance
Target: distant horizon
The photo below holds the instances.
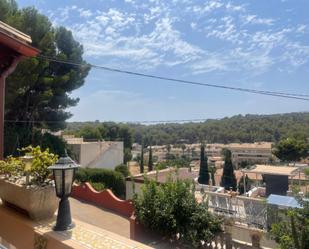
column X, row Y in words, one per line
column 197, row 120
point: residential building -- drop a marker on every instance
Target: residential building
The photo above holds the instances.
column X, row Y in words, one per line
column 252, row 153
column 97, row 154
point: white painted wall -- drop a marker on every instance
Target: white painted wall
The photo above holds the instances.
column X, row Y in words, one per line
column 101, row 154
column 129, row 189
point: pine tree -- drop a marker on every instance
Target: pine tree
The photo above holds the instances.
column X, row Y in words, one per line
column 142, row 159
column 228, row 179
column 203, row 174
column 150, row 162
column 40, row 89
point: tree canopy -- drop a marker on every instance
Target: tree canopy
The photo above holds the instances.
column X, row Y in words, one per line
column 291, row 149
column 38, row 92
column 228, row 179
column 203, row 173
column 244, row 129
column 292, row 227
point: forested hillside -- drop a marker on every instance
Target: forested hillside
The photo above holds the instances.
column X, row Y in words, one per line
column 248, row 128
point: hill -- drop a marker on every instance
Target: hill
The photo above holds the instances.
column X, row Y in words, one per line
column 240, row 128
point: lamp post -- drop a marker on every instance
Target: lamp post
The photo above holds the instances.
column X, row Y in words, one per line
column 64, row 171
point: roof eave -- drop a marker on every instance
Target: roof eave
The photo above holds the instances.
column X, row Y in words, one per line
column 18, row 46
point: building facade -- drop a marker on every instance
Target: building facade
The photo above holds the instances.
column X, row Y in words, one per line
column 99, row 154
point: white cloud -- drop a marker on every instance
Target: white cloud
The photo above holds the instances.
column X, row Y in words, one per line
column 225, row 31
column 254, row 19
column 296, row 54
column 302, row 28
column 148, row 35
column 231, row 7
column 85, row 13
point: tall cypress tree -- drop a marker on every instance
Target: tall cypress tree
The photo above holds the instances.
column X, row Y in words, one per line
column 142, row 159
column 203, row 174
column 150, row 162
column 228, row 179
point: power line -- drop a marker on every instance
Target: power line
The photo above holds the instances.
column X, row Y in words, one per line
column 262, row 92
column 128, row 122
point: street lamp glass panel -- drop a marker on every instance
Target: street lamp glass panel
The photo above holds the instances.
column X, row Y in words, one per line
column 69, row 174
column 58, row 182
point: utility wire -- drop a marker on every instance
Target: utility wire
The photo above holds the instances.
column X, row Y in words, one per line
column 129, row 122
column 262, row 92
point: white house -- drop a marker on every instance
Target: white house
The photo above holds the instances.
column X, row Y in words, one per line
column 98, row 154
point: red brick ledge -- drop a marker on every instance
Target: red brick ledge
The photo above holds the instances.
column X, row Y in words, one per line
column 105, row 199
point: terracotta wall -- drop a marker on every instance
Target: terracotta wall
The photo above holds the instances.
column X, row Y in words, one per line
column 105, row 199
column 19, row 232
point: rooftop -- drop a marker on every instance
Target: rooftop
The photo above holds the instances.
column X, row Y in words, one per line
column 16, row 40
column 10, row 31
column 163, row 175
column 273, row 170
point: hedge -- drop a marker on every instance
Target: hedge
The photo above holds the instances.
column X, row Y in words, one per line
column 111, row 179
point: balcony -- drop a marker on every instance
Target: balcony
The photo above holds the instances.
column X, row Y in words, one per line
column 19, row 232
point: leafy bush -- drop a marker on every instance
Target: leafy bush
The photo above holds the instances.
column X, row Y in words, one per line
column 292, row 227
column 171, row 210
column 39, row 172
column 123, row 169
column 40, row 163
column 11, row 167
column 111, row 179
column 98, row 186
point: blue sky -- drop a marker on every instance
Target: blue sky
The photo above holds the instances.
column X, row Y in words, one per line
column 261, row 44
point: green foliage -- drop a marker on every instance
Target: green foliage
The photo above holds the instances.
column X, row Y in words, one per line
column 11, row 167
column 123, row 169
column 98, row 186
column 109, row 178
column 141, row 165
column 203, row 173
column 245, row 129
column 248, row 183
column 39, row 172
column 150, row 161
column 171, row 210
column 127, row 156
column 161, row 165
column 39, row 89
column 228, row 179
column 89, row 132
column 292, row 229
column 292, row 149
column 42, row 159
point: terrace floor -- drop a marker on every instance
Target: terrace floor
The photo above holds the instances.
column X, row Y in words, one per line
column 100, row 217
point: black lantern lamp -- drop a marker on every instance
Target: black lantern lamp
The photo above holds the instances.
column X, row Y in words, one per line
column 64, row 172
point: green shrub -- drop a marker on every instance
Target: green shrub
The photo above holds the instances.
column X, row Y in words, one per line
column 123, row 169
column 38, row 172
column 171, row 210
column 111, row 179
column 98, row 186
column 42, row 159
column 11, row 167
